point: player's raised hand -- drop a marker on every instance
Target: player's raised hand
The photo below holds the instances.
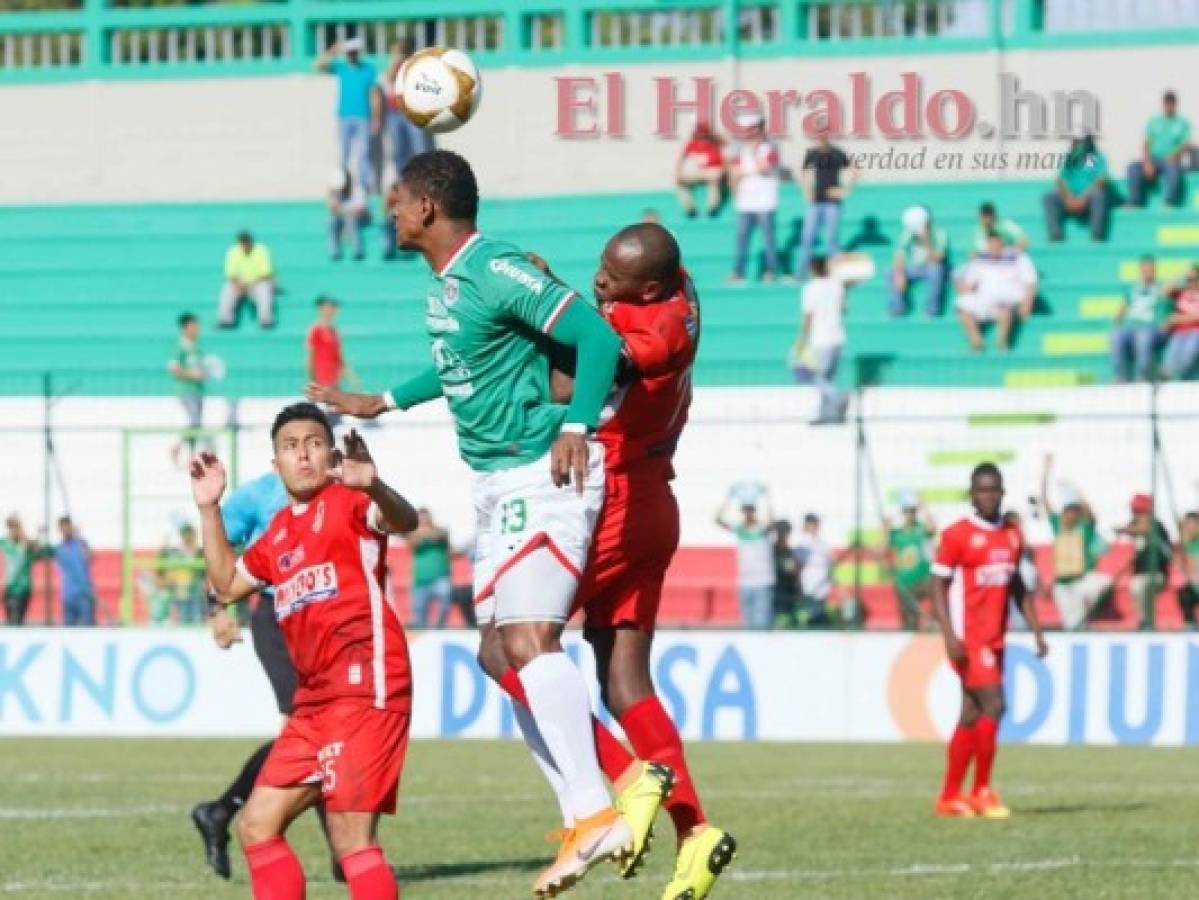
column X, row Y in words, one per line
column 357, row 469
column 208, row 479
column 360, row 406
column 568, row 461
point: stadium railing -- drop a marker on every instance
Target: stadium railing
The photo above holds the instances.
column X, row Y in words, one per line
column 48, row 40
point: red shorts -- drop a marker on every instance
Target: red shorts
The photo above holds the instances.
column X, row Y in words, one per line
column 983, row 666
column 634, row 542
column 354, row 752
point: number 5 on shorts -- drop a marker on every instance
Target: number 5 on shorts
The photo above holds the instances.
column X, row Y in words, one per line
column 514, row 516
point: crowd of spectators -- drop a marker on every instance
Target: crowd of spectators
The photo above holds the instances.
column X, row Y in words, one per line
column 72, row 559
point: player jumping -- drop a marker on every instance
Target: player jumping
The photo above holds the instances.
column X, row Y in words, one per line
column 975, row 573
column 325, row 555
column 539, row 481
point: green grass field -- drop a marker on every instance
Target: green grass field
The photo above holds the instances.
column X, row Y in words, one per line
column 108, row 818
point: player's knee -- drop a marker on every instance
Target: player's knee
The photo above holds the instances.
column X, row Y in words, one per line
column 995, row 709
column 348, row 833
column 523, row 642
column 491, row 654
column 254, row 826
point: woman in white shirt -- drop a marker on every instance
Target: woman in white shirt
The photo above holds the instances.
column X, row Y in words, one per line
column 756, row 197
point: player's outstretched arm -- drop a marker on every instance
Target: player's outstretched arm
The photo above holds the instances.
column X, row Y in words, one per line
column 360, row 406
column 208, row 484
column 395, row 514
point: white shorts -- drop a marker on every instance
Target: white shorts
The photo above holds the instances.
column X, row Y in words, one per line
column 986, row 307
column 519, row 511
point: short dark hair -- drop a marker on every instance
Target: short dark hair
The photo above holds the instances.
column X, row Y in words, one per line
column 447, row 179
column 985, row 468
column 64, row 520
column 1148, row 258
column 187, row 319
column 993, row 233
column 987, row 209
column 819, row 265
column 1193, row 515
column 1169, row 97
column 322, row 299
column 811, row 519
column 244, row 235
column 301, row 412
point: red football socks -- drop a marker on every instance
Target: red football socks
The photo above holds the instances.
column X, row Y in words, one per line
column 275, row 872
column 654, row 737
column 368, row 875
column 961, row 751
column 986, row 737
column 614, row 759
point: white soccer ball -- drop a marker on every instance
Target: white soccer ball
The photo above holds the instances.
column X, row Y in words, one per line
column 438, row 89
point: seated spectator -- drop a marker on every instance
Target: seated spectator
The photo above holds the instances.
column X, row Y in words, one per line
column 348, row 212
column 1167, row 138
column 756, row 180
column 1078, row 589
column 822, row 338
column 1080, row 191
column 1182, row 325
column 248, row 273
column 755, row 562
column 989, row 221
column 922, row 256
column 1152, row 552
column 1187, row 556
column 909, row 553
column 1137, row 329
column 995, row 287
column 816, row 563
column 701, row 163
column 822, row 188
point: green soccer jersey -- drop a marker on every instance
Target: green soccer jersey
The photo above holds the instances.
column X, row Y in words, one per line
column 487, row 313
column 910, row 546
column 18, row 563
column 1167, row 135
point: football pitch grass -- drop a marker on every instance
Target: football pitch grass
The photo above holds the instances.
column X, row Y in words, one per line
column 109, row 818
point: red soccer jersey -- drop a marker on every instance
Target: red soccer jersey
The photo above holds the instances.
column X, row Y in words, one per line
column 327, row 565
column 642, row 420
column 982, row 559
column 324, row 355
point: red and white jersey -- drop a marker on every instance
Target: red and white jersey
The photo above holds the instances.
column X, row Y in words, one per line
column 327, row 564
column 981, row 558
column 642, row 420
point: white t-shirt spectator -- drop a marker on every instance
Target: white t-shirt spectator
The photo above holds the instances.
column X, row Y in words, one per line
column 824, row 300
column 758, row 184
column 755, row 557
column 816, row 561
column 989, row 283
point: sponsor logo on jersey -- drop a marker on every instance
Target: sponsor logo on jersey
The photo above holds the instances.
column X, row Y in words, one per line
column 290, row 559
column 280, row 537
column 994, row 574
column 319, row 522
column 312, row 585
column 450, row 295
column 437, row 315
column 517, row 274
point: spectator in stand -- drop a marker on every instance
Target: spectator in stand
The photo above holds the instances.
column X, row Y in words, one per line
column 248, row 273
column 187, row 368
column 1167, row 138
column 1137, row 329
column 820, row 181
column 1188, row 564
column 923, row 255
column 996, row 286
column 989, row 221
column 431, row 586
column 909, row 551
column 756, row 180
column 19, row 554
column 348, row 213
column 359, row 107
column 1152, row 552
column 816, row 563
column 822, row 338
column 755, row 561
column 405, row 139
column 701, row 163
column 1080, row 191
column 73, row 558
column 1181, row 355
column 182, row 567
column 1078, row 588
column 786, row 575
column 326, row 364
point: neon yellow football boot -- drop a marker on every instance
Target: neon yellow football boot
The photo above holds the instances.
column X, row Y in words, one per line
column 638, row 805
column 701, row 860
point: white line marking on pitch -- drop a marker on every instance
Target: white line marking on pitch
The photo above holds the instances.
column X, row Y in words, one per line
column 88, row 812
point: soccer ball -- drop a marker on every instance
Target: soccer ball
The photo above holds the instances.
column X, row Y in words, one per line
column 438, row 89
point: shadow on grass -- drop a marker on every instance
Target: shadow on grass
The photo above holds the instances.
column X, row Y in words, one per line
column 1069, row 809
column 410, row 874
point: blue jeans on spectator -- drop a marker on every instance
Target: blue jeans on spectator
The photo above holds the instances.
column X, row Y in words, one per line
column 933, row 275
column 406, row 139
column 1182, row 354
column 354, row 143
column 1170, row 174
column 746, row 223
column 824, row 373
column 432, row 597
column 1095, row 211
column 757, row 605
column 828, row 214
column 347, row 226
column 1136, row 344
column 78, row 610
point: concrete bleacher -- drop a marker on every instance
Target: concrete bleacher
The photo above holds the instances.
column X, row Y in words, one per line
column 93, row 292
